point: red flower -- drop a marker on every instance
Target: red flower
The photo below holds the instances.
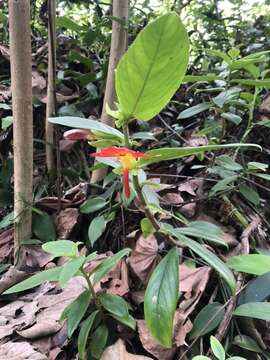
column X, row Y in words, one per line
column 128, row 159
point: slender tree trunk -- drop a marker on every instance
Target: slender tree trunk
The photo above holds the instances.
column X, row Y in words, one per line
column 50, row 109
column 21, row 84
column 118, row 48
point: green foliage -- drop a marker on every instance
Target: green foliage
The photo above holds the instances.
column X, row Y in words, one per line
column 255, row 264
column 146, row 80
column 161, row 298
column 256, row 310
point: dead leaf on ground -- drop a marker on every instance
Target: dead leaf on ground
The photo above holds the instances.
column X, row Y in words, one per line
column 182, row 326
column 66, row 220
column 172, row 198
column 11, row 277
column 144, row 257
column 151, row 345
column 20, row 351
column 118, row 351
column 117, row 283
column 34, row 257
column 6, row 244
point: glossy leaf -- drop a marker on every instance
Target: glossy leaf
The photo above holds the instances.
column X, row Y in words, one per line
column 70, row 269
column 217, row 348
column 194, row 110
column 250, row 194
column 81, row 123
column 117, row 308
column 151, row 71
column 256, row 310
column 201, row 357
column 207, row 320
column 61, row 248
column 84, row 334
column 161, row 298
column 165, row 154
column 247, row 343
column 93, row 205
column 43, row 226
column 75, row 311
column 255, row 264
column 256, row 290
column 35, row 280
column 98, row 341
column 96, row 229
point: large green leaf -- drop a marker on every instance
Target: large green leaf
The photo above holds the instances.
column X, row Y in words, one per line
column 165, row 154
column 256, row 310
column 161, row 298
column 61, row 248
column 256, row 290
column 81, row 123
column 70, row 269
column 151, row 71
column 208, row 257
column 255, row 264
column 217, row 348
column 35, row 280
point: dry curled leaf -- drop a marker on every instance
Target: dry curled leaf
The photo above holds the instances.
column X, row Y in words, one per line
column 118, row 351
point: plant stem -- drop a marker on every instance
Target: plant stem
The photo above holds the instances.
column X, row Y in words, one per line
column 91, row 289
column 141, row 197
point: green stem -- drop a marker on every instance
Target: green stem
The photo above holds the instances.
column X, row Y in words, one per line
column 91, row 289
column 141, row 197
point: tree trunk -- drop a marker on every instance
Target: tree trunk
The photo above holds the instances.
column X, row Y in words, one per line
column 50, row 109
column 118, row 48
column 21, row 85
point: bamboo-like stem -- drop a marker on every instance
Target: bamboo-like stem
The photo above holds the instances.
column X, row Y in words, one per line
column 51, row 97
column 21, row 85
column 118, row 48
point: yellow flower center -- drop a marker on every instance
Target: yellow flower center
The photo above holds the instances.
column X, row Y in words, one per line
column 128, row 161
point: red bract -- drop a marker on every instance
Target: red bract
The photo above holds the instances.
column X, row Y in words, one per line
column 78, row 134
column 128, row 159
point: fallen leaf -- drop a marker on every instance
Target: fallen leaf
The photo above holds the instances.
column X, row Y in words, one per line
column 118, row 351
column 151, row 345
column 182, row 326
column 118, row 280
column 20, row 351
column 144, row 257
column 172, row 199
column 11, row 277
column 66, row 220
column 34, row 257
column 6, row 244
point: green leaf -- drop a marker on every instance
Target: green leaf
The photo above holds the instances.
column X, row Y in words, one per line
column 161, row 298
column 70, row 269
column 65, row 22
column 236, row 358
column 228, row 163
column 96, row 229
column 61, row 248
column 256, row 290
column 117, row 308
column 194, row 110
column 217, row 348
column 81, row 123
column 254, row 165
column 75, row 311
column 99, row 340
column 250, row 194
column 236, row 119
column 207, row 320
column 219, row 54
column 250, row 82
column 256, row 310
column 255, row 264
column 7, row 122
column 263, row 176
column 147, row 227
column 7, row 220
column 93, row 205
column 201, row 357
column 195, row 78
column 84, row 333
column 153, row 68
column 225, row 95
column 107, row 265
column 204, row 230
column 35, row 280
column 247, row 343
column 165, row 154
column 223, row 184
column 207, row 256
column 43, row 226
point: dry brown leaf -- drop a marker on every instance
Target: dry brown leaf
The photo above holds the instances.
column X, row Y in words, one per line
column 118, row 351
column 182, row 326
column 34, row 257
column 144, row 257
column 19, row 351
column 172, row 199
column 6, row 244
column 118, row 280
column 66, row 220
column 11, row 277
column 151, row 345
